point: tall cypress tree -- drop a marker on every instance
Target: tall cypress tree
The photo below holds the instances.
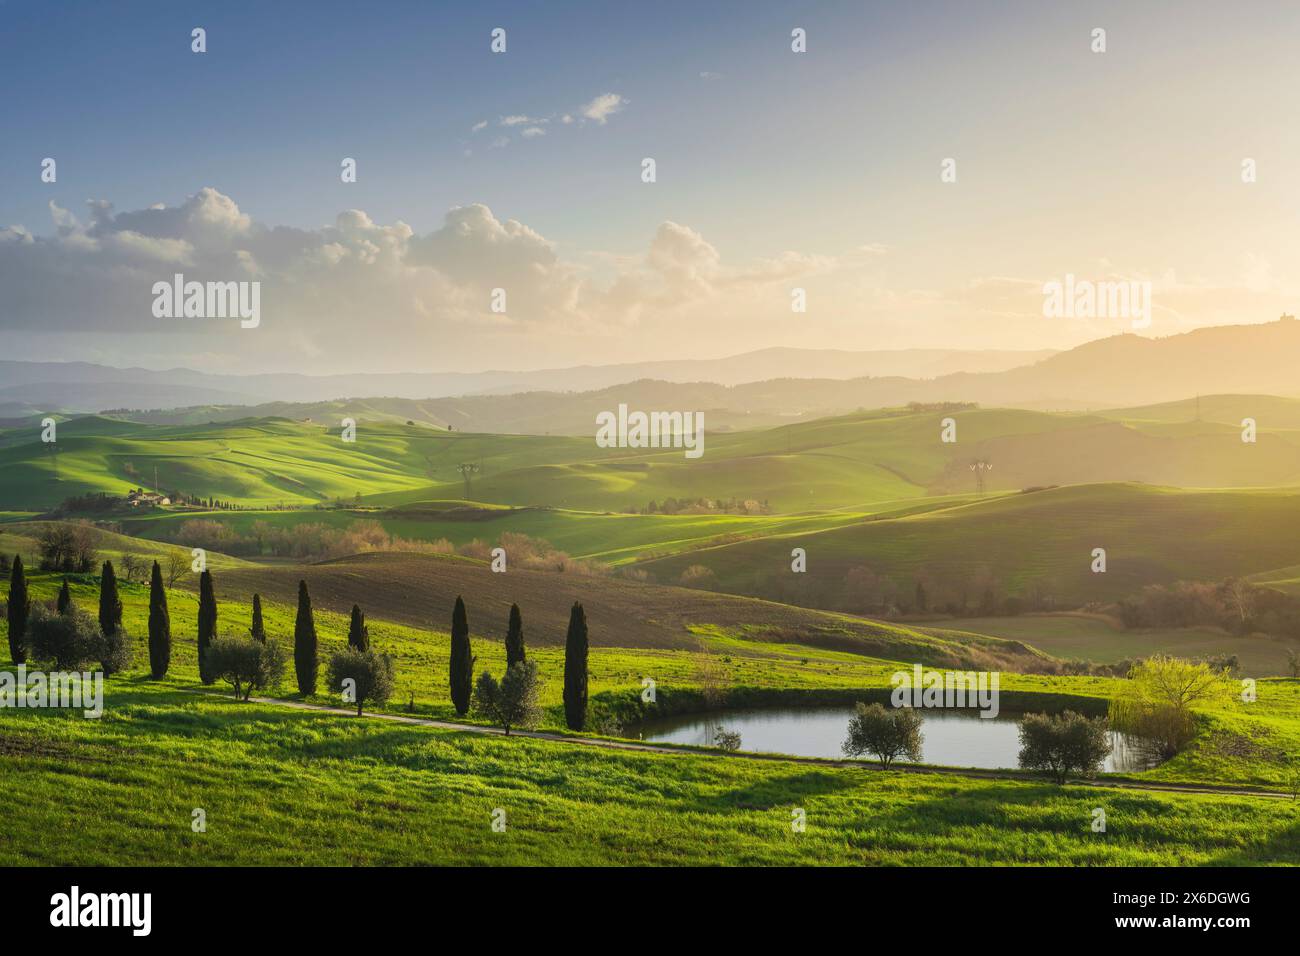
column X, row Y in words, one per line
column 65, row 598
column 258, row 631
column 110, row 605
column 304, row 644
column 358, row 633
column 160, row 626
column 207, row 624
column 575, row 669
column 515, row 638
column 462, row 662
column 20, row 606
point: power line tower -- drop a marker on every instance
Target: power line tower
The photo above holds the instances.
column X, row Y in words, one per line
column 980, row 466
column 467, row 470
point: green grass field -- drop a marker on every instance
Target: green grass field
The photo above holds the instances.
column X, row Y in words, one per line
column 874, row 489
column 1043, row 539
column 293, row 789
column 1095, row 637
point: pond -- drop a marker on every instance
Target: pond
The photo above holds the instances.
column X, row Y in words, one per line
column 953, row 738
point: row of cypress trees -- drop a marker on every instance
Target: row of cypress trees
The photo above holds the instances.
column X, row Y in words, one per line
column 461, row 676
column 305, row 643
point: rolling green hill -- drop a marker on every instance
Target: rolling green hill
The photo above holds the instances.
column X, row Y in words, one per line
column 1040, row 540
column 852, row 462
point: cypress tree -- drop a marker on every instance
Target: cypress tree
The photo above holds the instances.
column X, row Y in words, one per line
column 257, row 630
column 20, row 605
column 462, row 663
column 65, row 598
column 110, row 605
column 160, row 626
column 207, row 624
column 304, row 644
column 575, row 669
column 515, row 638
column 358, row 633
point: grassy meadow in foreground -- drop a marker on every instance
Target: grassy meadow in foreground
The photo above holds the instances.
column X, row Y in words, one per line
column 291, row 788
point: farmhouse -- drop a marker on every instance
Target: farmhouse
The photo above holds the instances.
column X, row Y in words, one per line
column 140, row 497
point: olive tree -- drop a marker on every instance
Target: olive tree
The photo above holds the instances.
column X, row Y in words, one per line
column 513, row 701
column 1063, row 744
column 886, row 733
column 246, row 664
column 361, row 676
column 68, row 641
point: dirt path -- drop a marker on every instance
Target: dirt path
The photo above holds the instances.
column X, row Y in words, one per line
column 641, row 747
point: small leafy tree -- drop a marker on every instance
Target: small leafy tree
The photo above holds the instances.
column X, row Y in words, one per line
column 247, row 664
column 18, row 611
column 728, row 740
column 1156, row 703
column 575, row 669
column 1063, row 744
column 116, row 651
column 371, row 675
column 515, row 638
column 257, row 631
column 160, row 625
column 887, row 733
column 207, row 624
column 178, row 564
column 461, row 665
column 66, row 641
column 305, row 662
column 358, row 633
column 514, row 701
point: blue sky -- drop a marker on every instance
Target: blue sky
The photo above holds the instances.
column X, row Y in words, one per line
column 1123, row 163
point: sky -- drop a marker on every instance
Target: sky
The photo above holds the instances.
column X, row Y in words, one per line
column 522, row 171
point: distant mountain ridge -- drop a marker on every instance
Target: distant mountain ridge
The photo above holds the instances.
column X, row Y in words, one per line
column 1119, row 371
column 84, row 387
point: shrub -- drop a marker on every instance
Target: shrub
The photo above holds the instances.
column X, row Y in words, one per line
column 697, row 576
column 116, row 655
column 1063, row 744
column 514, row 701
column 887, row 733
column 67, row 641
column 1156, row 703
column 246, row 664
column 728, row 740
column 371, row 674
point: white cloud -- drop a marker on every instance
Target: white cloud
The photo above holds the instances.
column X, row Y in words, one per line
column 603, row 106
column 350, row 291
column 481, row 124
column 533, row 131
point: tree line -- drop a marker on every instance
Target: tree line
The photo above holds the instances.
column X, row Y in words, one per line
column 70, row 638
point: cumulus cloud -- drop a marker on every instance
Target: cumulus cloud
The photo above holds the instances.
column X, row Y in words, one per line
column 356, row 286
